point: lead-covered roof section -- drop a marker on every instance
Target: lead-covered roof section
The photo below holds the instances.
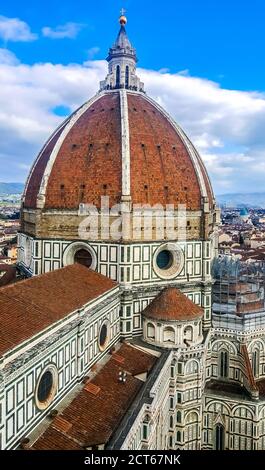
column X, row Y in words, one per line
column 122, row 46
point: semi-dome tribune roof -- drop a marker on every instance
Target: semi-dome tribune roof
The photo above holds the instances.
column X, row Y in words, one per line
column 172, row 305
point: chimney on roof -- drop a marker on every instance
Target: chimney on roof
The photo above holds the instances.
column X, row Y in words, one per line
column 122, row 377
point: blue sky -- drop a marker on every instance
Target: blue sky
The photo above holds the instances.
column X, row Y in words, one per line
column 202, row 60
column 220, row 40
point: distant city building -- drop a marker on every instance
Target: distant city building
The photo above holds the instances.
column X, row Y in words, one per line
column 8, row 240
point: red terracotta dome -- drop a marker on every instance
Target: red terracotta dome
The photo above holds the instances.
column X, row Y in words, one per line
column 83, row 160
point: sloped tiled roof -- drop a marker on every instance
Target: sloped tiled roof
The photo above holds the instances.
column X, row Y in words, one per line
column 30, row 306
column 92, row 418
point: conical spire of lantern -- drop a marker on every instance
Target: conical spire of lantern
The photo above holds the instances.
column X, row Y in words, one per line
column 122, row 61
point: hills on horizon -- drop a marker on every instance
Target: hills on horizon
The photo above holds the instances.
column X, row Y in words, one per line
column 11, row 188
column 250, row 200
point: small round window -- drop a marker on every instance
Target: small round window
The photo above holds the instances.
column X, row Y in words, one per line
column 103, row 336
column 46, row 387
column 164, row 259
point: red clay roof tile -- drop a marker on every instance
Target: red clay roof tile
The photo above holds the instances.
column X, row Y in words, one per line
column 61, row 424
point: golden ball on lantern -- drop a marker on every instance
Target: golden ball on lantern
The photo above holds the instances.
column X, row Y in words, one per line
column 123, row 19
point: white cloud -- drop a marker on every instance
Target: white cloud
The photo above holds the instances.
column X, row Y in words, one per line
column 27, row 121
column 7, row 57
column 23, row 166
column 68, row 30
column 226, row 125
column 92, row 52
column 164, row 70
column 16, row 30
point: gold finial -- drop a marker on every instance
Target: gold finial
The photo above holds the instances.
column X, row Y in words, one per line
column 123, row 19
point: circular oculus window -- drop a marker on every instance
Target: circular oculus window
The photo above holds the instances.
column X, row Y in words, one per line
column 164, row 259
column 81, row 253
column 168, row 261
column 103, row 338
column 46, row 387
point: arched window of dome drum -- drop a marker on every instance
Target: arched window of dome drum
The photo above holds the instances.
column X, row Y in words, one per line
column 164, row 259
column 169, row 335
column 224, row 364
column 118, row 76
column 188, row 333
column 219, row 437
column 83, row 257
column 178, row 417
column 127, row 76
column 150, row 331
column 45, row 386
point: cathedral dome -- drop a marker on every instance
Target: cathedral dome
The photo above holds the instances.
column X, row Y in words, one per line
column 120, row 144
column 85, row 158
